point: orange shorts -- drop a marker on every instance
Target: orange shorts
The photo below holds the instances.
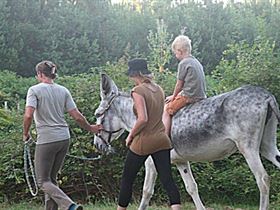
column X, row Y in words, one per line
column 178, row 103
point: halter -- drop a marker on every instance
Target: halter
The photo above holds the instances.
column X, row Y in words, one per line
column 108, row 141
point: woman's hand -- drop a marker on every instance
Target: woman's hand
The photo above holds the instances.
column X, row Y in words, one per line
column 128, row 140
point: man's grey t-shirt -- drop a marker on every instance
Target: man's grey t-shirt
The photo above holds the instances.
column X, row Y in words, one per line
column 191, row 72
column 50, row 101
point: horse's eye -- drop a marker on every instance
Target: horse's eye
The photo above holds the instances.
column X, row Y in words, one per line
column 97, row 115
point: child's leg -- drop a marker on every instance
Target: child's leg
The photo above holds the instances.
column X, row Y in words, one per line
column 166, row 119
column 170, row 109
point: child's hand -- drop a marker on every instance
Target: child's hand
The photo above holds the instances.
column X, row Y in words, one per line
column 169, row 99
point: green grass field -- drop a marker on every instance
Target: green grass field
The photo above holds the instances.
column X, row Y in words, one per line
column 112, row 206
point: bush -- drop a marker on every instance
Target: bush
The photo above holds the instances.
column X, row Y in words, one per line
column 228, row 181
column 256, row 64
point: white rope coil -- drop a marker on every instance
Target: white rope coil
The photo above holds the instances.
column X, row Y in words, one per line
column 28, row 161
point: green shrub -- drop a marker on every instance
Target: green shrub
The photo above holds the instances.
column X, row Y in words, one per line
column 13, row 88
column 229, row 181
column 256, row 64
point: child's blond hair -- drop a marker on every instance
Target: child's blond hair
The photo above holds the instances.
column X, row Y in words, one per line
column 183, row 43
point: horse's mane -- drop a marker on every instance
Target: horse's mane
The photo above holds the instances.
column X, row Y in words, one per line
column 125, row 94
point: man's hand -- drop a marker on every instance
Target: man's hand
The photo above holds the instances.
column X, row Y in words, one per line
column 96, row 128
column 25, row 137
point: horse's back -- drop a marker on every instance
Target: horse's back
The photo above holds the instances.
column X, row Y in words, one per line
column 209, row 129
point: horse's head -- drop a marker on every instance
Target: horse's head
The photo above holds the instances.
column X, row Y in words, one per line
column 107, row 115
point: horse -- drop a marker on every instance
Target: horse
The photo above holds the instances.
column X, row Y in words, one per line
column 244, row 120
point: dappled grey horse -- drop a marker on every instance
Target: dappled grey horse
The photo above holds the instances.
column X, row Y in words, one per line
column 244, row 119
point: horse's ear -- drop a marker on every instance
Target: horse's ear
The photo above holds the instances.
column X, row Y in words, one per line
column 107, row 86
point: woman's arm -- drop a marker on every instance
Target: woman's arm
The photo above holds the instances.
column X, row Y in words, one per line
column 142, row 116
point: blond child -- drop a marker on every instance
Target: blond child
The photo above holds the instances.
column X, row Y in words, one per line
column 190, row 86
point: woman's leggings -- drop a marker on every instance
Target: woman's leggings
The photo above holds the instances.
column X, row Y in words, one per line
column 133, row 164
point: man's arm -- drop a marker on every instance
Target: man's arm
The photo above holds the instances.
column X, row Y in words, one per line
column 27, row 121
column 82, row 121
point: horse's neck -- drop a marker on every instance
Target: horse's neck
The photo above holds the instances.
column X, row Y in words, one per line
column 125, row 111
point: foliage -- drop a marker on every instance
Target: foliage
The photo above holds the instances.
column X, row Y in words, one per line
column 11, row 162
column 238, row 44
column 159, row 44
column 70, row 40
column 79, row 35
column 13, row 88
column 244, row 64
column 5, row 119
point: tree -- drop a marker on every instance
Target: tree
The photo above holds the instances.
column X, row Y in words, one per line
column 8, row 38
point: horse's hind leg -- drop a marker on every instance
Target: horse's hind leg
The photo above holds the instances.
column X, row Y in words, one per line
column 254, row 161
column 149, row 183
column 269, row 142
column 190, row 184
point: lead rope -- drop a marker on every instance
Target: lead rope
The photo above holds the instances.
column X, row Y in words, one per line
column 28, row 161
column 83, row 158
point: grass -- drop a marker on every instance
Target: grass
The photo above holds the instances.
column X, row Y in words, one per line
column 112, row 206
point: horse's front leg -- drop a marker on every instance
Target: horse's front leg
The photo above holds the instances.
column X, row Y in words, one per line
column 190, row 184
column 149, row 183
column 186, row 173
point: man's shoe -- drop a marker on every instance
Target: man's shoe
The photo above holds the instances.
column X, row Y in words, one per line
column 75, row 207
column 78, row 207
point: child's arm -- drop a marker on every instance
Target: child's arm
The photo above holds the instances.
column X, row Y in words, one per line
column 178, row 88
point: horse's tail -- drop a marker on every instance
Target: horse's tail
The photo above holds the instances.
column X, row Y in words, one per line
column 269, row 138
column 274, row 106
